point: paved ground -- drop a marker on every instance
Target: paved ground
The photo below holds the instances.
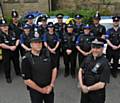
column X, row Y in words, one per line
column 66, row 90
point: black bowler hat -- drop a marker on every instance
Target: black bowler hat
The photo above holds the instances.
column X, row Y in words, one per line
column 116, row 18
column 35, row 39
column 59, row 16
column 78, row 16
column 14, row 13
column 97, row 15
column 98, row 43
column 30, row 16
column 3, row 22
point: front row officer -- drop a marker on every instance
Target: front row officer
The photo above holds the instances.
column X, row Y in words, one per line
column 9, row 43
column 38, row 73
column 94, row 74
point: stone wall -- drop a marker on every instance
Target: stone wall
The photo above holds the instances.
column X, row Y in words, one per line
column 22, row 7
column 42, row 5
column 113, row 7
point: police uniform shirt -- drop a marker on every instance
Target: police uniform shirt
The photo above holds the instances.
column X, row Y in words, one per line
column 37, row 68
column 84, row 41
column 95, row 70
column 113, row 36
column 8, row 39
column 78, row 28
column 69, row 41
column 60, row 28
column 16, row 28
column 25, row 39
column 98, row 31
column 51, row 39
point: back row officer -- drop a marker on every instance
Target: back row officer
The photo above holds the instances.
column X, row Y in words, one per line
column 9, row 42
column 113, row 48
column 97, row 29
column 78, row 27
column 60, row 29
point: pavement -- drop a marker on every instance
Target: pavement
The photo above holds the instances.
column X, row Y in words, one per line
column 66, row 90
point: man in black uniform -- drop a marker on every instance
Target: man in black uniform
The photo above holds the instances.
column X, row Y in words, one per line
column 94, row 74
column 60, row 29
column 60, row 26
column 97, row 29
column 42, row 29
column 69, row 51
column 113, row 48
column 39, row 74
column 78, row 27
column 16, row 26
column 9, row 43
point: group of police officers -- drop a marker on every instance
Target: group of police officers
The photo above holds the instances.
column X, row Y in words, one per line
column 59, row 39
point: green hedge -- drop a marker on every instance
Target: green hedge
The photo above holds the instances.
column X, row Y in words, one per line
column 87, row 13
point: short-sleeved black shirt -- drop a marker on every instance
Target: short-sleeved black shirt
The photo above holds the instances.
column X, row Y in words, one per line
column 95, row 70
column 37, row 68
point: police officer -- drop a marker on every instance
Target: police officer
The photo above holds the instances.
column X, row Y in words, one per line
column 25, row 39
column 9, row 43
column 51, row 42
column 83, row 43
column 98, row 29
column 113, row 48
column 60, row 29
column 1, row 55
column 69, row 51
column 43, row 27
column 30, row 18
column 60, row 26
column 94, row 75
column 78, row 27
column 39, row 74
column 15, row 26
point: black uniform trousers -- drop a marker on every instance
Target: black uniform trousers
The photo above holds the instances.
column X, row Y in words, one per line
column 70, row 61
column 55, row 58
column 37, row 97
column 113, row 54
column 8, row 56
column 80, row 58
column 92, row 97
